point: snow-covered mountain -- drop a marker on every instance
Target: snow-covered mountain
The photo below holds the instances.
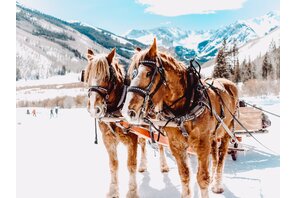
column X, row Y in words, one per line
column 45, row 44
column 207, row 43
column 251, row 50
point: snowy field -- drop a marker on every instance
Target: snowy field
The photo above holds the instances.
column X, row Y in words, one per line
column 56, row 158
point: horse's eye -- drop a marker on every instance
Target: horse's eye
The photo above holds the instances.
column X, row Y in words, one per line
column 134, row 73
column 148, row 74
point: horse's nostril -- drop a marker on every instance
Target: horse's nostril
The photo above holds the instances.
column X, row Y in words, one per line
column 98, row 110
column 131, row 113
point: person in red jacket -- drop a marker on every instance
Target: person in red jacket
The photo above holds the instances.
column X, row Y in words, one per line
column 34, row 112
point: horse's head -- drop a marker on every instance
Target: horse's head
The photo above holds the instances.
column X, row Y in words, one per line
column 147, row 84
column 100, row 76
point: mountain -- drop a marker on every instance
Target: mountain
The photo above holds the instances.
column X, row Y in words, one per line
column 252, row 50
column 207, row 43
column 46, row 45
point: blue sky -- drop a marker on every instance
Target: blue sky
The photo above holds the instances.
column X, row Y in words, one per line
column 119, row 16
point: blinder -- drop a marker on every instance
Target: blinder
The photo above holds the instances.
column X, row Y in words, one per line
column 146, row 92
column 100, row 90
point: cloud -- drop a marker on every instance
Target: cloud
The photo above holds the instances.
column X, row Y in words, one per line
column 184, row 7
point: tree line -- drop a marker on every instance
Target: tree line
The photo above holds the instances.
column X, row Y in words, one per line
column 265, row 67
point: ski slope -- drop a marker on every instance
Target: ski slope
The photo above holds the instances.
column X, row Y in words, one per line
column 57, row 158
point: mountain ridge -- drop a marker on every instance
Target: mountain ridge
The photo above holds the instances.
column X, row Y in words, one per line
column 207, row 42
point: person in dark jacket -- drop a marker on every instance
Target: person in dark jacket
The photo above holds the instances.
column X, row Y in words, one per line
column 51, row 113
column 56, row 111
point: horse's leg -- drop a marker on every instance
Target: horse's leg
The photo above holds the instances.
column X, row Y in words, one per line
column 178, row 147
column 203, row 150
column 143, row 160
column 163, row 163
column 111, row 143
column 214, row 154
column 132, row 166
column 223, row 151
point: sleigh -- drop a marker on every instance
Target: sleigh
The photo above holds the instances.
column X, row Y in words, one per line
column 253, row 121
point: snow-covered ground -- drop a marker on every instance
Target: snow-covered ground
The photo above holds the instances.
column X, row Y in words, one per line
column 57, row 158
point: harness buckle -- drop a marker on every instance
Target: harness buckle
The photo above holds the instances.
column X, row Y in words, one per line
column 183, row 130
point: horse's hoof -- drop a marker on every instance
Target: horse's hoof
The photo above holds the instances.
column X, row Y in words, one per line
column 217, row 190
column 142, row 169
column 112, row 196
column 165, row 169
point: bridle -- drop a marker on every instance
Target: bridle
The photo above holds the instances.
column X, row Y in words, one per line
column 147, row 92
column 105, row 92
column 196, row 97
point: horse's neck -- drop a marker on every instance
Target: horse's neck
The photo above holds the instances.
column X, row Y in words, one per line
column 117, row 92
column 176, row 88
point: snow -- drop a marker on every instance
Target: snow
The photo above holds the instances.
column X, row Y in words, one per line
column 207, row 71
column 36, row 94
column 48, row 26
column 146, row 39
column 262, row 25
column 259, row 46
column 251, row 50
column 68, row 78
column 119, row 39
column 57, row 158
column 84, row 24
column 192, row 40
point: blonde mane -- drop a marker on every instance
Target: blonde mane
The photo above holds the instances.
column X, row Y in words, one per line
column 98, row 69
column 169, row 63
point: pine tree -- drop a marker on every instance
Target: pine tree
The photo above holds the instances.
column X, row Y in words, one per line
column 267, row 69
column 277, row 57
column 254, row 71
column 237, row 72
column 246, row 71
column 18, row 74
column 62, row 71
column 220, row 69
column 250, row 70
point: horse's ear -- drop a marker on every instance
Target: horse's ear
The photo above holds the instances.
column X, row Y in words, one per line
column 111, row 55
column 153, row 50
column 90, row 55
column 138, row 49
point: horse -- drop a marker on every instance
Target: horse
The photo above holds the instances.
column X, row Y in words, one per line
column 177, row 93
column 105, row 79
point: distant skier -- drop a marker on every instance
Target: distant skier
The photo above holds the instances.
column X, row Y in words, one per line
column 56, row 111
column 34, row 112
column 51, row 113
column 28, row 112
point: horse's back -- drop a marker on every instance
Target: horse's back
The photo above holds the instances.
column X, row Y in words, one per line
column 230, row 87
column 227, row 90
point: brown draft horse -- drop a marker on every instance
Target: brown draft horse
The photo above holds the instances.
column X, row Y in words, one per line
column 202, row 132
column 105, row 79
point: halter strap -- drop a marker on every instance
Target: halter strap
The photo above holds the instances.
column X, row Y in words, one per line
column 145, row 92
column 105, row 92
